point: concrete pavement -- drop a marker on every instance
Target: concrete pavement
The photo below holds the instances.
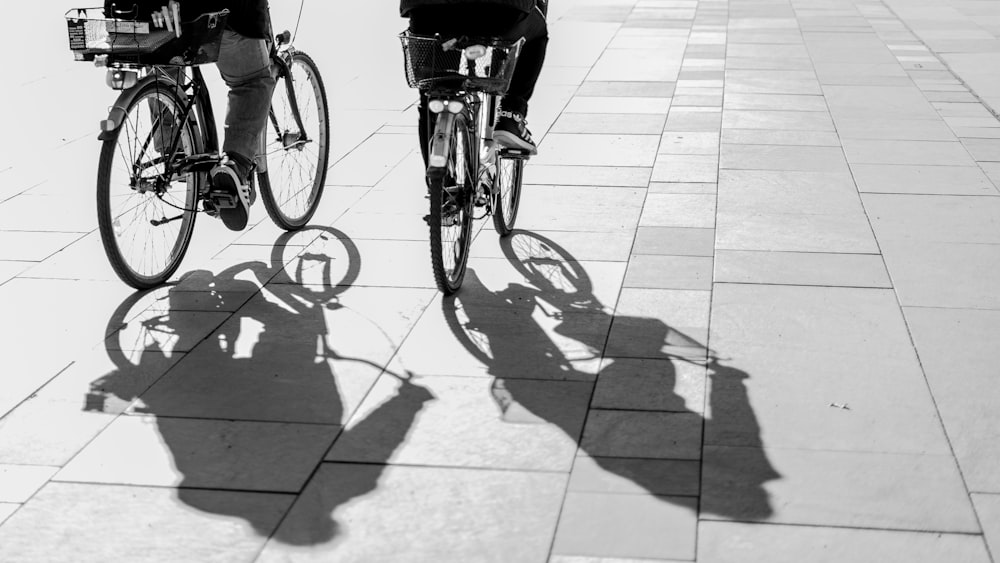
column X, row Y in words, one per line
column 749, row 314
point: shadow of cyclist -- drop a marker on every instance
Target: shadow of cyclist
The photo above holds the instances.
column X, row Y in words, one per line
column 254, row 404
column 638, row 378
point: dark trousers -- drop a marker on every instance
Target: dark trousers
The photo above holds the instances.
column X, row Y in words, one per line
column 488, row 20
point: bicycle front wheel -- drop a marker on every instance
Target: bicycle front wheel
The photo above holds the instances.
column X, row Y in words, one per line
column 452, row 200
column 508, row 193
column 145, row 211
column 296, row 145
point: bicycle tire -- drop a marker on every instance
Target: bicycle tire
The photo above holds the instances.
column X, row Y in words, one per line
column 125, row 202
column 510, row 173
column 451, row 209
column 292, row 182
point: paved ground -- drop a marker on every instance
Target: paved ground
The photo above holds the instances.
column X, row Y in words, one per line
column 751, row 314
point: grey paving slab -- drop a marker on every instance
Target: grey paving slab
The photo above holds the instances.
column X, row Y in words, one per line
column 643, row 65
column 674, row 241
column 854, row 346
column 202, row 454
column 588, row 209
column 60, row 524
column 366, row 512
column 613, row 176
column 656, row 435
column 468, row 422
column 685, row 210
column 773, row 157
column 624, row 105
column 862, row 74
column 780, row 137
column 27, row 246
column 801, row 268
column 371, row 161
column 992, row 170
column 6, row 510
column 689, row 118
column 651, row 323
column 881, row 102
column 612, row 475
column 772, row 82
column 729, row 542
column 636, row 526
column 581, row 246
column 944, row 274
column 783, row 102
column 919, row 179
column 62, row 214
column 840, row 489
column 610, row 123
column 10, row 269
column 934, row 218
column 987, row 150
column 712, row 100
column 767, row 63
column 691, row 142
column 669, row 272
column 18, row 483
column 270, row 370
column 757, row 50
column 643, row 89
column 903, row 129
column 988, row 509
column 777, row 120
column 696, row 168
column 955, row 351
column 906, row 152
column 598, row 150
column 650, row 384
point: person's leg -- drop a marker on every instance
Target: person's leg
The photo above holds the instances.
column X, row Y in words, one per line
column 529, row 64
column 245, row 66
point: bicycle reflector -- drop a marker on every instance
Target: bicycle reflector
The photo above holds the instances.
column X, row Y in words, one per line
column 118, row 79
column 438, row 106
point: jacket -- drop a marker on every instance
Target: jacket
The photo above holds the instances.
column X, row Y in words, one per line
column 246, row 17
column 523, row 5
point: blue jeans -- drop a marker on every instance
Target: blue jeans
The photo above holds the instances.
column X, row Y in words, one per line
column 246, row 68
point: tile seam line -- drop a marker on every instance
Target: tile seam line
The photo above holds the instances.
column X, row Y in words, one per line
column 841, row 527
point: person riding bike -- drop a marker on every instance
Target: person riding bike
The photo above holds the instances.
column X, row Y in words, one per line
column 506, row 19
column 245, row 65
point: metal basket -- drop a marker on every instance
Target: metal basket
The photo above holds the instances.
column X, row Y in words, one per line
column 137, row 42
column 434, row 61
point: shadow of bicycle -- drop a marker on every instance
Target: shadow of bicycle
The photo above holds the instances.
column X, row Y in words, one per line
column 645, row 424
column 264, row 363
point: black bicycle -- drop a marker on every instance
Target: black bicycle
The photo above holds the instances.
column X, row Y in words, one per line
column 461, row 81
column 160, row 140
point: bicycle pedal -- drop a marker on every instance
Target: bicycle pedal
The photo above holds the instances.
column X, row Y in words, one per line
column 223, row 200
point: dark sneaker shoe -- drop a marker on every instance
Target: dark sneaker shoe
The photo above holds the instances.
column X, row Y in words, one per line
column 231, row 194
column 511, row 132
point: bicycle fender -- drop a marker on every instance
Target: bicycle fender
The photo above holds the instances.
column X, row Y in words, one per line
column 440, row 145
column 118, row 111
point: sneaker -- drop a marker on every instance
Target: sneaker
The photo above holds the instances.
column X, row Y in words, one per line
column 511, row 131
column 231, row 194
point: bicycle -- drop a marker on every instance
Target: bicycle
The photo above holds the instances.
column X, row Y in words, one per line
column 462, row 80
column 160, row 140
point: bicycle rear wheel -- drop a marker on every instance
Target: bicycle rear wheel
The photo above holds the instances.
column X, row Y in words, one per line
column 146, row 217
column 292, row 182
column 452, row 200
column 510, row 171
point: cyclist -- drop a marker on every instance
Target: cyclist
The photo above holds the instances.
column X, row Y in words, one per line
column 245, row 65
column 508, row 19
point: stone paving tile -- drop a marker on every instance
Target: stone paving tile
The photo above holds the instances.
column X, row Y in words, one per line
column 576, row 245
column 906, row 152
column 903, row 129
column 610, row 123
column 11, row 269
column 983, row 149
column 589, row 209
column 679, row 210
column 674, row 241
column 18, row 483
column 777, row 120
column 772, row 82
column 917, row 179
column 607, row 176
column 801, row 268
column 767, row 63
column 639, row 526
column 62, row 215
column 473, row 422
column 60, row 524
column 651, row 385
column 682, row 188
column 957, row 355
column 693, row 142
column 784, row 102
column 202, row 454
column 615, row 475
column 371, row 161
column 861, row 74
column 643, row 65
column 669, row 272
column 643, row 89
column 854, row 346
column 778, row 137
column 703, row 168
column 988, row 509
column 841, row 489
column 935, row 218
column 598, row 150
column 26, row 246
column 944, row 274
column 881, row 102
column 773, row 157
column 6, row 510
column 656, row 435
column 992, row 170
column 626, row 105
column 367, row 513
column 731, row 542
column 693, row 119
column 659, row 323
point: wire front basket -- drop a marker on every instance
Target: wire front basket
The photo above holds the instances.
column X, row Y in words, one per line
column 138, row 42
column 434, row 61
